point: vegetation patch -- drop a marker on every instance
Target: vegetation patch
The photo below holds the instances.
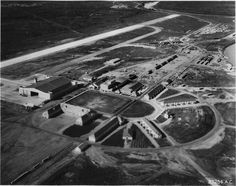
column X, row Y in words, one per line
column 205, row 77
column 139, row 139
column 227, row 111
column 115, row 139
column 167, row 93
column 138, row 109
column 219, row 160
column 189, row 124
column 100, row 102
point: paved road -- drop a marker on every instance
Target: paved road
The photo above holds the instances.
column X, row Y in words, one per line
column 81, row 42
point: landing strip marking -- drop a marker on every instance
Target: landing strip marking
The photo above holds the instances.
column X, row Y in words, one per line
column 81, row 42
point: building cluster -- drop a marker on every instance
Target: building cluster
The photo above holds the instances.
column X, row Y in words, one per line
column 166, row 62
column 150, row 128
column 205, row 60
column 127, row 86
column 155, row 92
column 106, row 129
column 171, row 41
column 177, row 101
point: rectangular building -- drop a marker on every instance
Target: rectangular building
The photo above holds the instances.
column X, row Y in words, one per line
column 47, row 89
column 109, row 127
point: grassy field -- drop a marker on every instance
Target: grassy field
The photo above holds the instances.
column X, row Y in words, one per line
column 10, row 110
column 167, row 93
column 219, row 160
column 32, row 25
column 160, row 119
column 23, row 146
column 131, row 53
column 205, row 77
column 100, row 102
column 190, row 123
column 139, row 140
column 77, row 131
column 163, row 142
column 182, row 24
column 115, row 139
column 81, row 170
column 179, row 98
column 216, row 45
column 227, row 111
column 203, row 7
column 139, row 109
column 45, row 64
column 176, row 27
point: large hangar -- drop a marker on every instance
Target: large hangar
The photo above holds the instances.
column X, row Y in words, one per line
column 47, row 89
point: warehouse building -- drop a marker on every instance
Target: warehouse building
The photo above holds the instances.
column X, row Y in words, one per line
column 86, row 118
column 74, row 110
column 155, row 92
column 52, row 112
column 138, row 88
column 109, row 127
column 180, row 100
column 150, row 128
column 121, row 85
column 47, row 89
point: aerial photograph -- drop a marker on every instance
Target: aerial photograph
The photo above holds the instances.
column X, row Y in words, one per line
column 118, row 93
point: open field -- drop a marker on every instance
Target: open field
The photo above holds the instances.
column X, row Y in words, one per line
column 45, row 64
column 227, row 111
column 131, row 54
column 139, row 140
column 216, row 45
column 46, row 23
column 205, row 77
column 212, row 94
column 115, row 139
column 76, row 131
column 182, row 25
column 203, row 7
column 176, row 27
column 190, row 123
column 9, row 110
column 23, row 146
column 167, row 93
column 100, row 102
column 219, row 160
column 138, row 109
column 160, row 118
column 181, row 97
column 109, row 167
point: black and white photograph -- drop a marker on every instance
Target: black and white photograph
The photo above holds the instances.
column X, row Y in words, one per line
column 118, row 93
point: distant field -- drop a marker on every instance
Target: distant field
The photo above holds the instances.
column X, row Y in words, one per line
column 205, row 77
column 227, row 111
column 202, row 7
column 99, row 101
column 219, row 160
column 190, row 123
column 35, row 25
column 22, row 146
column 45, row 64
column 176, row 27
